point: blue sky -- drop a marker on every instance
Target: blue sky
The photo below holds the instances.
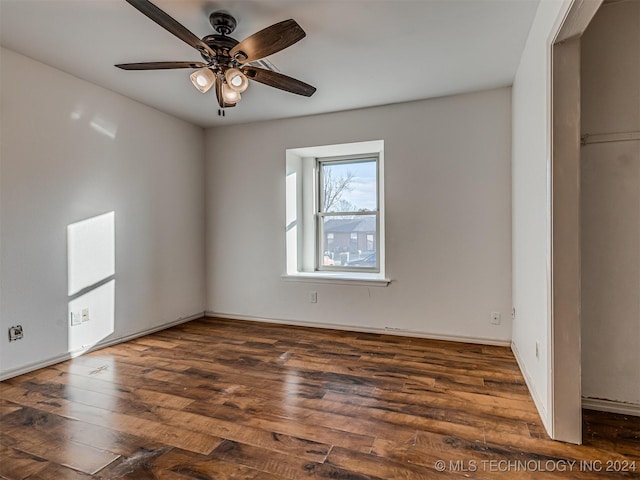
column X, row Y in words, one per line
column 363, row 192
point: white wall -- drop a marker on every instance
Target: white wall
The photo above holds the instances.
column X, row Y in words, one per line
column 448, row 218
column 72, row 151
column 531, row 153
column 611, row 206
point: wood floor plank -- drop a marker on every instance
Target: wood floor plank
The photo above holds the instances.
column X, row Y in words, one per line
column 292, row 426
column 7, row 408
column 280, row 464
column 341, row 416
column 59, row 472
column 208, row 467
column 226, row 399
column 40, row 424
column 446, row 367
column 373, row 465
column 178, row 437
column 75, row 455
column 140, row 466
column 431, row 402
column 68, row 383
column 17, row 464
column 276, row 442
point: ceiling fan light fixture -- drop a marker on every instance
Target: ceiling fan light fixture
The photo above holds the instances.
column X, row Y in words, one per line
column 229, row 95
column 228, row 63
column 203, row 79
column 236, row 80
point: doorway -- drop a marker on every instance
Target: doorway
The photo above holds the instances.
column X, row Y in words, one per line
column 610, row 208
column 575, row 278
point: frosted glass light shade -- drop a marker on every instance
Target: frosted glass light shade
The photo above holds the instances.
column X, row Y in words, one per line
column 203, row 79
column 236, row 80
column 229, row 95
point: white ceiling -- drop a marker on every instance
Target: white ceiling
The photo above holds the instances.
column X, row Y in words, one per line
column 358, row 53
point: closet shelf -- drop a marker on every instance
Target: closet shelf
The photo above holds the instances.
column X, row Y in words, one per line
column 588, row 138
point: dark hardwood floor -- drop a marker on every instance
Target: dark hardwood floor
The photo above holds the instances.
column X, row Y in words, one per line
column 221, row 399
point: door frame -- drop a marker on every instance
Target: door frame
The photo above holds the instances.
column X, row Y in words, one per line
column 564, row 224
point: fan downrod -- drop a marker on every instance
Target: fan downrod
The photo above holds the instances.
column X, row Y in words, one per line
column 222, row 22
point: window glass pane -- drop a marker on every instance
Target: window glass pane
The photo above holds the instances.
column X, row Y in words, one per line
column 349, row 186
column 349, row 241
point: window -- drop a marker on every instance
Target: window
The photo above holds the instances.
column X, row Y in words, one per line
column 334, row 216
column 347, row 213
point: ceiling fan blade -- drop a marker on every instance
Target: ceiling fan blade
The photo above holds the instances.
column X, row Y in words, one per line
column 268, row 41
column 277, row 80
column 171, row 25
column 159, row 65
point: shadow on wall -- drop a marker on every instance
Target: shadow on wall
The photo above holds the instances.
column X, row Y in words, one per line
column 91, row 281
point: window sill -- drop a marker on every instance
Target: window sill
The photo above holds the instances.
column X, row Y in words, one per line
column 339, row 278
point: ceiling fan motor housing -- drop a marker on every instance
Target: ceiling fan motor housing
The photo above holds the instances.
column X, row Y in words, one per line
column 221, row 44
column 222, row 22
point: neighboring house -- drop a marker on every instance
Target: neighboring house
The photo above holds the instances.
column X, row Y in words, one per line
column 355, row 236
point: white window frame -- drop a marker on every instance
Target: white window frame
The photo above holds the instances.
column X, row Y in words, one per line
column 320, row 215
column 301, row 196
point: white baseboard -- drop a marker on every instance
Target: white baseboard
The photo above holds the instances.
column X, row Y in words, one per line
column 106, row 343
column 356, row 328
column 612, row 406
column 542, row 411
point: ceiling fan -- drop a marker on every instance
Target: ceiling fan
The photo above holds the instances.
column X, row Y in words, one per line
column 227, row 62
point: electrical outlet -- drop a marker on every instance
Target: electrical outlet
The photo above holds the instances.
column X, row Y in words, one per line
column 537, row 349
column 495, row 318
column 313, row 297
column 15, row 333
column 76, row 319
column 85, row 315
